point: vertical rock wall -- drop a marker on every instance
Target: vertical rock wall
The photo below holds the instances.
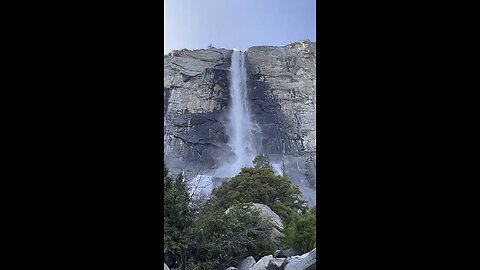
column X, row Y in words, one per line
column 282, row 83
column 282, row 97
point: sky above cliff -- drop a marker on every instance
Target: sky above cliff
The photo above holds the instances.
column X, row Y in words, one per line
column 194, row 24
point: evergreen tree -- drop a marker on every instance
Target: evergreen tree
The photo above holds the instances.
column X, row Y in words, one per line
column 202, row 235
column 177, row 219
column 260, row 185
column 222, row 239
column 262, row 162
column 300, row 234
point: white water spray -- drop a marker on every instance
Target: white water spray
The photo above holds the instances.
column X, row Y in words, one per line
column 240, row 126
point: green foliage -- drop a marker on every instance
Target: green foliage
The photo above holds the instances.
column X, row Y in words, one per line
column 200, row 235
column 223, row 239
column 300, row 234
column 260, row 185
column 177, row 217
column 262, row 161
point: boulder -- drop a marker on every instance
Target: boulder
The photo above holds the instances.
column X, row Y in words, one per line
column 266, row 212
column 275, row 264
column 307, row 261
column 262, row 263
column 247, row 263
column 284, row 253
column 165, row 267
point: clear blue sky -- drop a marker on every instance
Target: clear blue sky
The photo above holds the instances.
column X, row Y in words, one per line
column 194, row 24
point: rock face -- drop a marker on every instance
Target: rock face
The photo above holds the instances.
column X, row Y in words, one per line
column 281, row 85
column 282, row 81
column 275, row 264
column 267, row 214
column 307, row 261
column 284, row 253
column 262, row 263
column 247, row 263
column 196, row 94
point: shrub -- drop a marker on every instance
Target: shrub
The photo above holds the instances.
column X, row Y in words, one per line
column 177, row 219
column 300, row 234
column 224, row 239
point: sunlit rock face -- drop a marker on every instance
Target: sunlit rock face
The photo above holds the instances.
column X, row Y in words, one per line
column 196, row 95
column 281, row 87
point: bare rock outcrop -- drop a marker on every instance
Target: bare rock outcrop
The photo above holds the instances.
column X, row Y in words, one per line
column 275, row 264
column 284, row 253
column 262, row 263
column 307, row 261
column 247, row 263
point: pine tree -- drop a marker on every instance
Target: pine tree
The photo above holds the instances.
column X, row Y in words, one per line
column 260, row 185
column 262, row 162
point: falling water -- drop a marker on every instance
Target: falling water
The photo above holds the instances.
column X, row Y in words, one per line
column 240, row 127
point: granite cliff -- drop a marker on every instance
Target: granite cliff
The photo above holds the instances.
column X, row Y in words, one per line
column 282, row 98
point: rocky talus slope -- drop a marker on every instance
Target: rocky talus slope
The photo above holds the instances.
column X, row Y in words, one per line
column 281, row 95
column 307, row 261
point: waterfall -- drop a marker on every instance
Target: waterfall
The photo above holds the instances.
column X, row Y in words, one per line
column 239, row 127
